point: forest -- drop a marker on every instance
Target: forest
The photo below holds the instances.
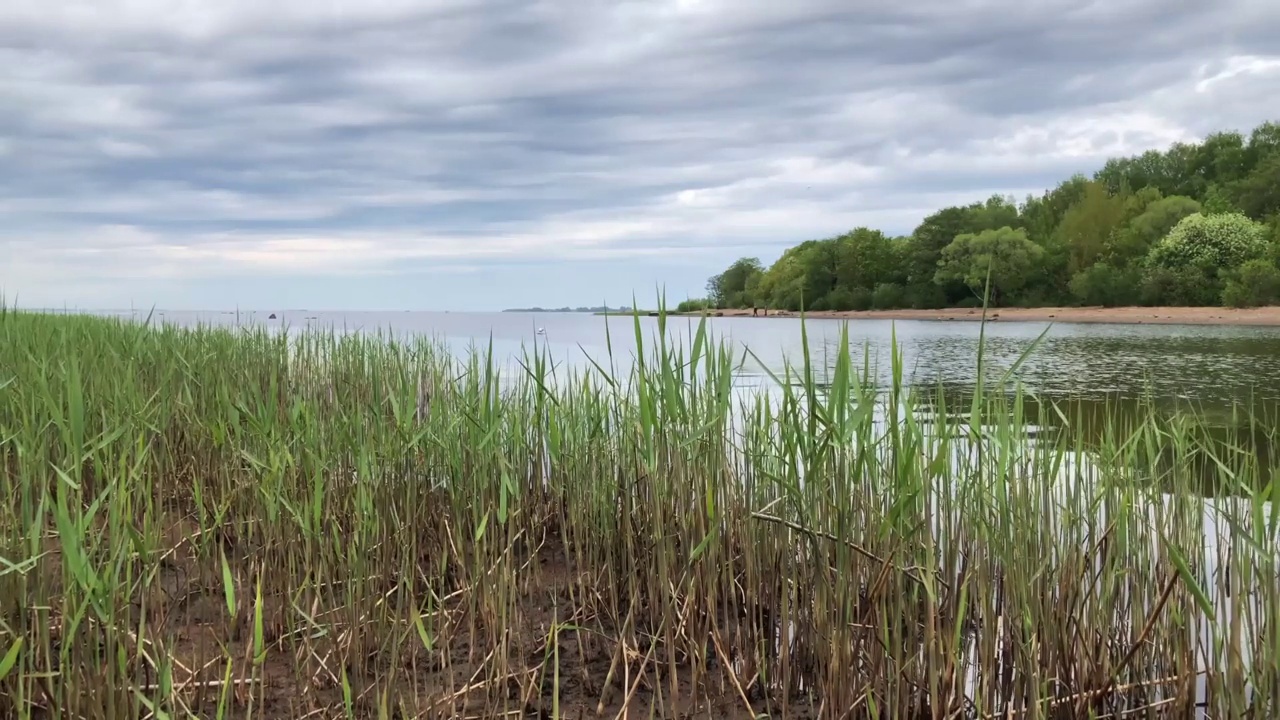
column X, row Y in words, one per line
column 1195, row 225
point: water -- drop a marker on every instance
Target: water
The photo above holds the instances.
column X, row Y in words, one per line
column 1210, row 366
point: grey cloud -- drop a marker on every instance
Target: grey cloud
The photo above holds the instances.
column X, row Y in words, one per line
column 504, row 131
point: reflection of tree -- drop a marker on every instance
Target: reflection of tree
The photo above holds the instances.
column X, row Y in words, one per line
column 1210, row 441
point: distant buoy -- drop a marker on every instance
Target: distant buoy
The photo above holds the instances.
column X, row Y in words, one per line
column 272, row 316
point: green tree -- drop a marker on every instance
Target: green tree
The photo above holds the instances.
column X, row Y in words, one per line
column 1141, row 233
column 1255, row 283
column 1264, row 142
column 933, row 234
column 1167, row 225
column 1210, row 242
column 1088, row 226
column 818, row 259
column 1219, row 160
column 864, row 257
column 1258, row 193
column 782, row 286
column 888, row 296
column 1165, row 171
column 1106, row 285
column 1185, row 286
column 729, row 288
column 940, row 229
column 1042, row 215
column 1005, row 255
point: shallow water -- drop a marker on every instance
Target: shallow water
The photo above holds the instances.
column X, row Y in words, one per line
column 1211, row 366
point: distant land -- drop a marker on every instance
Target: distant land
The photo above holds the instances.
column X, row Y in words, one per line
column 600, row 309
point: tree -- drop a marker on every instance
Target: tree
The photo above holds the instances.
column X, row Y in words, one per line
column 1210, row 242
column 1219, row 160
column 1103, row 284
column 1264, row 142
column 940, row 229
column 864, row 258
column 1169, row 224
column 933, row 234
column 1186, row 286
column 1257, row 282
column 729, row 288
column 1041, row 216
column 1088, row 226
column 1141, row 233
column 782, row 286
column 1005, row 255
column 1258, row 193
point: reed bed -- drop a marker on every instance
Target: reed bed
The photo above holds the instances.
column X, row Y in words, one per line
column 223, row 523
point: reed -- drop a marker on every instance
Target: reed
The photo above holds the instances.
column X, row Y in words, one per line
column 224, row 523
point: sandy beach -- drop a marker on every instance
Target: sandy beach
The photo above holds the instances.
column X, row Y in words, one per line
column 1269, row 316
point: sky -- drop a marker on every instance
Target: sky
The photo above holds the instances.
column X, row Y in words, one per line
column 485, row 154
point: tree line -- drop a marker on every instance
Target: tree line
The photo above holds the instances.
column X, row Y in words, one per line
column 1197, row 224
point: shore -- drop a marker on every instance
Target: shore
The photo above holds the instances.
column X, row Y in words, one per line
column 1265, row 316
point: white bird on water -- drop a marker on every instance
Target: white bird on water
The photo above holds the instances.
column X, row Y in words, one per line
column 542, row 331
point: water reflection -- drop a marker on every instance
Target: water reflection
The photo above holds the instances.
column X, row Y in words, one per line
column 1213, row 365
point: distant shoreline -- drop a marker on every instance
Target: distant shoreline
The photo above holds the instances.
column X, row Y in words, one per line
column 1264, row 316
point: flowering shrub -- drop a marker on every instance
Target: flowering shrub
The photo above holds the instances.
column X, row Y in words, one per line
column 1211, row 242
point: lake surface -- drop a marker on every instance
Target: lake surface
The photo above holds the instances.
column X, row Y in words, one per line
column 1210, row 366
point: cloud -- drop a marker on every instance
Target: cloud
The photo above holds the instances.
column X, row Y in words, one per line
column 148, row 144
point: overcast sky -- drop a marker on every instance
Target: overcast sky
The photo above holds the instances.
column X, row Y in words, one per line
column 481, row 154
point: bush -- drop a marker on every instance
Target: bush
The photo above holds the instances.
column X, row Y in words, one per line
column 1218, row 241
column 1102, row 284
column 1188, row 286
column 843, row 299
column 888, row 296
column 1254, row 283
column 925, row 296
column 690, row 306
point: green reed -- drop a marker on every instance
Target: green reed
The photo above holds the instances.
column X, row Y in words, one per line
column 234, row 523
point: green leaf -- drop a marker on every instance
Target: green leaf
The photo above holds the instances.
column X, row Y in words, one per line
column 259, row 645
column 427, row 641
column 10, row 658
column 228, row 585
column 1189, row 578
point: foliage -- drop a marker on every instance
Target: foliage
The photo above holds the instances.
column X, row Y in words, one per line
column 844, row 298
column 1105, row 285
column 1088, row 226
column 692, row 305
column 1123, row 216
column 732, row 288
column 1136, row 239
column 1210, row 241
column 1185, row 286
column 1258, row 195
column 1255, row 283
column 888, row 296
column 1005, row 256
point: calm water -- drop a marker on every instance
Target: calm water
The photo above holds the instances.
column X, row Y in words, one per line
column 1207, row 365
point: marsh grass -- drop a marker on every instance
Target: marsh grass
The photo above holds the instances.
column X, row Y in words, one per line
column 236, row 523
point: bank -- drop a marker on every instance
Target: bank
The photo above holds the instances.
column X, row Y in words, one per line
column 1264, row 316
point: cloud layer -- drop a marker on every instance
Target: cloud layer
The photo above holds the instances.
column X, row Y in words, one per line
column 483, row 153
